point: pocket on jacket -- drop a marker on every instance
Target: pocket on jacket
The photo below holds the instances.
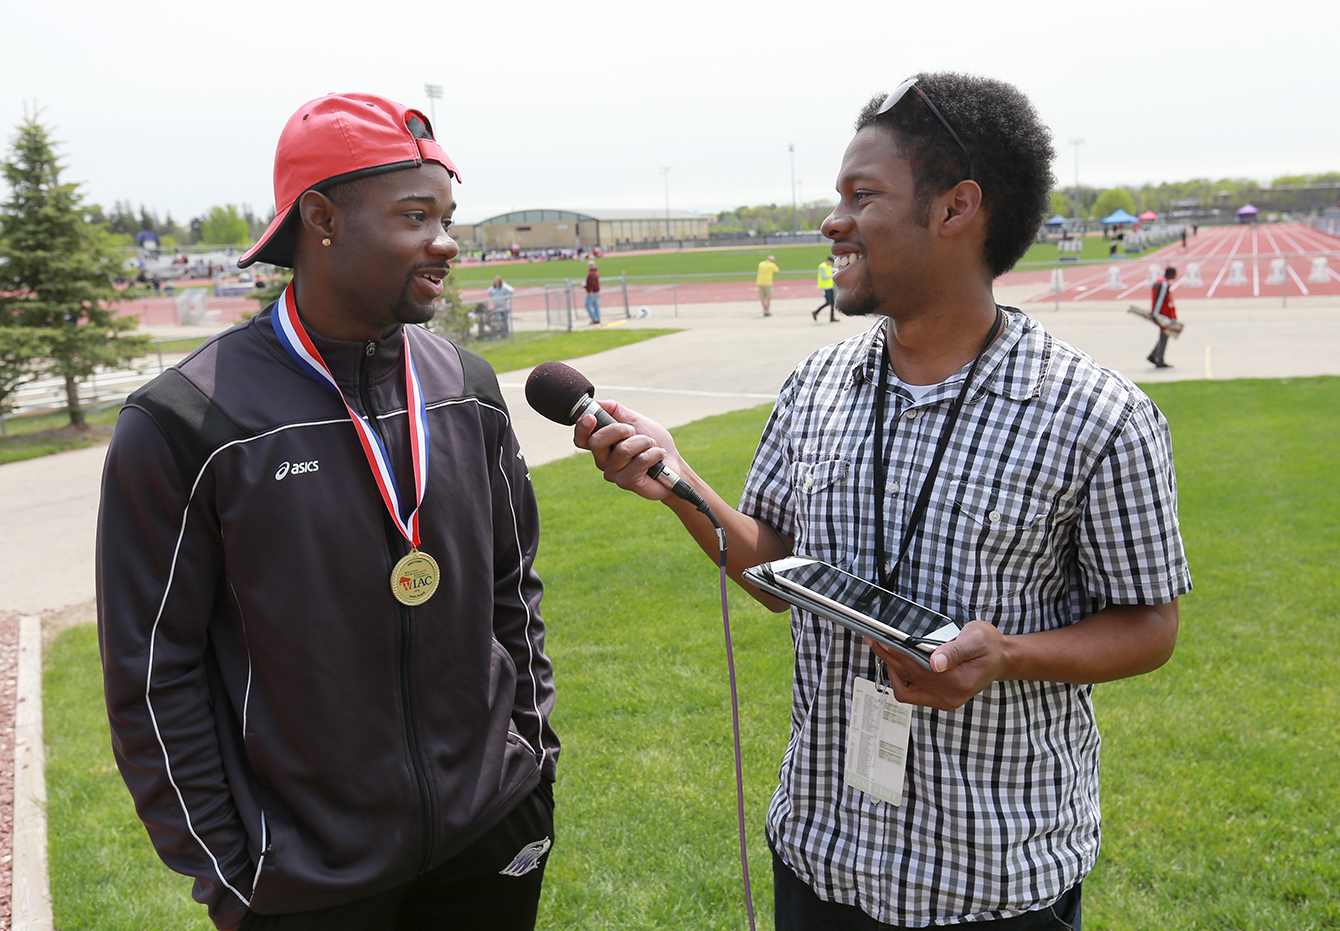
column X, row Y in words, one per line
column 1005, row 532
column 826, row 527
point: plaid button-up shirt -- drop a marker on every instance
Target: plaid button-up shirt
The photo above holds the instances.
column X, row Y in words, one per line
column 1056, row 496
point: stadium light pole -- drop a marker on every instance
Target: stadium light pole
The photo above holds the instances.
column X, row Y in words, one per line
column 792, row 149
column 1077, row 142
column 665, row 172
column 434, row 92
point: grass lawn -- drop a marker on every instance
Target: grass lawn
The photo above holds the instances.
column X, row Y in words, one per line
column 1219, row 770
column 34, row 435
column 742, row 261
column 1095, row 250
column 530, row 348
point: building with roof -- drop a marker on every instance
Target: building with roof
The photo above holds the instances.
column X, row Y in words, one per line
column 572, row 229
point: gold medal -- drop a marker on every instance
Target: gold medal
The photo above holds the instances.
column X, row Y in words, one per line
column 414, row 578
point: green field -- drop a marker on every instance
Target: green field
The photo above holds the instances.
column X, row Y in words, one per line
column 1095, row 250
column 1219, row 770
column 738, row 264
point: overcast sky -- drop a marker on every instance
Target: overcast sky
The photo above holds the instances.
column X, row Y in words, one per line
column 568, row 105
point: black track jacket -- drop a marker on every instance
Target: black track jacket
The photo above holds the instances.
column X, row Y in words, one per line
column 293, row 736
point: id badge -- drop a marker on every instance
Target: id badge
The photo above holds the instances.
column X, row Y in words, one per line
column 878, row 729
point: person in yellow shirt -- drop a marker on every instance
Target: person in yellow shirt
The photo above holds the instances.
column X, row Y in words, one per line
column 825, row 283
column 766, row 269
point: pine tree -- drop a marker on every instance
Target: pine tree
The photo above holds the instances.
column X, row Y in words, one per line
column 55, row 275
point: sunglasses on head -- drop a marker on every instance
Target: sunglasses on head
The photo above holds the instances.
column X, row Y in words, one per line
column 900, row 92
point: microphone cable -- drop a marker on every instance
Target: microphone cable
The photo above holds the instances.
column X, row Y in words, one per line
column 734, row 706
column 562, row 394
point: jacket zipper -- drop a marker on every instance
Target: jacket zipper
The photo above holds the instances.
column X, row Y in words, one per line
column 406, row 622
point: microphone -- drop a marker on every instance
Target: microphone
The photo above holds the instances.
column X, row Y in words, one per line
column 562, row 394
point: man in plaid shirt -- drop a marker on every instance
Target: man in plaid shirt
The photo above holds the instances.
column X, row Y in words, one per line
column 1049, row 531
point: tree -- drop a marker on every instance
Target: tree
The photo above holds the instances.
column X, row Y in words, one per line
column 224, row 226
column 55, row 271
column 20, row 349
column 452, row 318
column 1111, row 200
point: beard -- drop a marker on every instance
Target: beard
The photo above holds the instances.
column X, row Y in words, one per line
column 408, row 310
column 860, row 300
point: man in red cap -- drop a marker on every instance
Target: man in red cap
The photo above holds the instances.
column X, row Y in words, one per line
column 322, row 647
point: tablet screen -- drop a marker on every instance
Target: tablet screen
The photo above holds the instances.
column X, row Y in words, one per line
column 848, row 593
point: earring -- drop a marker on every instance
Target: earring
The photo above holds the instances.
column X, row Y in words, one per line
column 326, row 241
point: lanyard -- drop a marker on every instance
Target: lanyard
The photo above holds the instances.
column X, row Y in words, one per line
column 890, row 574
column 293, row 335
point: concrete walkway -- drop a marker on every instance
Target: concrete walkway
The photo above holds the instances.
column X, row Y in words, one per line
column 727, row 357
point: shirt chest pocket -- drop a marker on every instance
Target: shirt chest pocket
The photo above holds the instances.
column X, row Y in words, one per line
column 1003, row 536
column 825, row 526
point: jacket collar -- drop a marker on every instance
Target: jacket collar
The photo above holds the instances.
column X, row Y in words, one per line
column 345, row 357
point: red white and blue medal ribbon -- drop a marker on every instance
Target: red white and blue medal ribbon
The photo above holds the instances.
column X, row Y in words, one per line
column 293, row 336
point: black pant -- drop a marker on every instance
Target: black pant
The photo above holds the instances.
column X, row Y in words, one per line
column 828, row 302
column 798, row 908
column 466, row 893
column 1157, row 355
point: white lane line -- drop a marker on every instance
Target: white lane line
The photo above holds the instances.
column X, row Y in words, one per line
column 1292, row 243
column 1274, row 245
column 1256, row 271
column 1094, row 292
column 1223, row 269
column 1280, row 253
column 1318, row 242
column 1307, row 233
column 1122, row 295
column 1294, row 275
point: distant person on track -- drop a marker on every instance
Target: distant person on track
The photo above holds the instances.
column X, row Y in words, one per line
column 825, row 282
column 592, row 292
column 766, row 270
column 1161, row 305
column 500, row 296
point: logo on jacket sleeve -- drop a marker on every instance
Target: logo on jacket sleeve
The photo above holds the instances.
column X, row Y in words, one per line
column 528, row 859
column 297, row 468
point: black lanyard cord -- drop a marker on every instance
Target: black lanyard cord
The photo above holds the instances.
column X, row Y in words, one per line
column 886, row 575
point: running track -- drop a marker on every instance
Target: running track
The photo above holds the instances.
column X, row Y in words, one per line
column 1215, row 249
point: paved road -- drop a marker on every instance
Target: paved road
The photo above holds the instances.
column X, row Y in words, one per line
column 727, row 358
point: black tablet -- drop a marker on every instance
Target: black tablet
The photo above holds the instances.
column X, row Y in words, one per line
column 897, row 622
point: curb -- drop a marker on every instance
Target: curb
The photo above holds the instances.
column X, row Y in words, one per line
column 30, row 892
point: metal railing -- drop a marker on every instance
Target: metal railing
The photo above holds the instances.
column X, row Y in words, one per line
column 105, row 387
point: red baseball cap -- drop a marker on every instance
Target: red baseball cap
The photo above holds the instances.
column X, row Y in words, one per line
column 338, row 138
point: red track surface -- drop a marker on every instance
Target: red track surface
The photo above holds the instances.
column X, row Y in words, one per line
column 1215, row 249
column 155, row 310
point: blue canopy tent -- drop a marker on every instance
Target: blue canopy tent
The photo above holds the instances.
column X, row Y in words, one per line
column 1057, row 222
column 1118, row 217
